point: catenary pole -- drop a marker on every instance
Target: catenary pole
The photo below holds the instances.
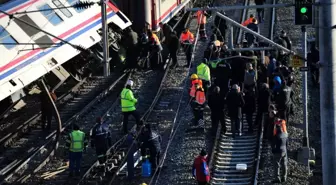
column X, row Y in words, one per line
column 327, row 42
column 105, row 39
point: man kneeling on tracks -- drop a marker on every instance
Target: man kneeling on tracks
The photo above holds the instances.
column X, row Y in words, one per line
column 151, row 140
column 128, row 105
column 77, row 144
column 101, row 139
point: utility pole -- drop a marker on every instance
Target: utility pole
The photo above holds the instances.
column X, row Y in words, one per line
column 105, row 39
column 305, row 94
column 327, row 40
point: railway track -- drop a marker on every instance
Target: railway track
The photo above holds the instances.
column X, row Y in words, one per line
column 236, row 160
column 20, row 157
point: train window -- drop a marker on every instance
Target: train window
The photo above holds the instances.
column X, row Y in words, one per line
column 122, row 17
column 45, row 40
column 50, row 14
column 65, row 11
column 28, row 29
column 72, row 2
column 5, row 37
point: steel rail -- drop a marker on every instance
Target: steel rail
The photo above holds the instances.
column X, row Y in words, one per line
column 53, row 136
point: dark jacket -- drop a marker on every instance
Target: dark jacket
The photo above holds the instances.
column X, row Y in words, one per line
column 101, row 136
column 284, row 97
column 223, row 74
column 313, row 57
column 217, row 34
column 250, row 104
column 288, row 42
column 264, row 100
column 216, row 102
column 167, row 31
column 279, row 143
column 200, row 169
column 235, row 102
column 174, row 43
column 238, row 66
column 259, row 2
column 221, row 24
column 45, row 102
column 131, row 39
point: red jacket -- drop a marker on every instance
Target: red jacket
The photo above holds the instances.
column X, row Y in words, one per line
column 201, row 170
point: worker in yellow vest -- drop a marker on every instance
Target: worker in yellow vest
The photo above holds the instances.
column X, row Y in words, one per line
column 203, row 72
column 128, row 105
column 77, row 143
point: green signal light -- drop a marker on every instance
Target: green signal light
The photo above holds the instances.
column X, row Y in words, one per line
column 303, row 10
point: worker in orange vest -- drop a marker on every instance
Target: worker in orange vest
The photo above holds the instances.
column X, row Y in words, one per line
column 281, row 123
column 199, row 104
column 155, row 49
column 187, row 41
column 249, row 20
column 201, row 20
column 194, row 80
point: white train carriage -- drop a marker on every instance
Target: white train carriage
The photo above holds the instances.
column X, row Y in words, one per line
column 22, row 64
column 151, row 12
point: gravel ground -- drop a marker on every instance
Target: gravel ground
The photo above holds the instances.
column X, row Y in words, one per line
column 297, row 171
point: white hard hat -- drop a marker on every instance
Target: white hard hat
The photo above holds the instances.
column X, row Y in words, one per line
column 130, row 83
column 235, row 86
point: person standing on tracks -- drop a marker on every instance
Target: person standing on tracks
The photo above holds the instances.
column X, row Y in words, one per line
column 216, row 104
column 201, row 20
column 187, row 41
column 203, row 72
column 128, row 105
column 77, row 143
column 223, row 77
column 260, row 11
column 264, row 101
column 194, row 80
column 167, row 31
column 101, row 139
column 279, row 150
column 284, row 100
column 152, row 140
column 235, row 102
column 173, row 46
column 200, row 169
column 155, row 50
column 131, row 42
column 254, row 27
column 313, row 61
column 46, row 108
column 250, row 78
column 249, row 108
column 198, row 105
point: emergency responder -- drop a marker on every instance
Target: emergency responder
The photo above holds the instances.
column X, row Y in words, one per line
column 216, row 34
column 203, row 72
column 313, row 61
column 279, row 150
column 249, row 109
column 249, row 20
column 250, row 78
column 46, row 108
column 285, row 37
column 260, row 11
column 284, row 101
column 216, row 104
column 151, row 140
column 223, row 76
column 194, row 80
column 167, row 31
column 264, row 101
column 101, row 139
column 77, row 143
column 173, row 46
column 235, row 102
column 128, row 105
column 254, row 27
column 187, row 41
column 131, row 43
column 155, row 50
column 198, row 105
column 200, row 169
column 201, row 20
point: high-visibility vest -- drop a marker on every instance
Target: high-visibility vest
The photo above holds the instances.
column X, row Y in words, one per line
column 187, row 37
column 200, row 97
column 248, row 21
column 127, row 100
column 213, row 63
column 193, row 87
column 77, row 138
column 203, row 72
column 282, row 124
column 201, row 18
column 156, row 39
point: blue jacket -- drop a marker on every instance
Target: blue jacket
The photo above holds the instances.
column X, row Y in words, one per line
column 277, row 86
